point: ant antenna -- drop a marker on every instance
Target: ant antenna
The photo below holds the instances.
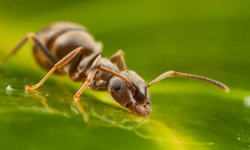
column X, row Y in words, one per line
column 103, row 69
column 185, row 75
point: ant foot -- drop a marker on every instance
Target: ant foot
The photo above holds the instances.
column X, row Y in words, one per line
column 76, row 98
column 28, row 87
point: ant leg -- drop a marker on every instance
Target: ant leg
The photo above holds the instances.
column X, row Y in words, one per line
column 58, row 65
column 90, row 77
column 40, row 46
column 119, row 57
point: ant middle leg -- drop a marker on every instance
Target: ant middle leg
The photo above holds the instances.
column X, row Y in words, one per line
column 119, row 58
column 58, row 65
column 40, row 46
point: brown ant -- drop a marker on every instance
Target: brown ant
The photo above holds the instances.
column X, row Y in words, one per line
column 67, row 48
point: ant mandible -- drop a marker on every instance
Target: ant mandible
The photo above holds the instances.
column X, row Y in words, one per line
column 68, row 48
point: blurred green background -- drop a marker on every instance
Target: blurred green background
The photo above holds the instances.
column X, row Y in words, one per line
column 209, row 38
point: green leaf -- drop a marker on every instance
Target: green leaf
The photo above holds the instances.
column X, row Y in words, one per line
column 208, row 38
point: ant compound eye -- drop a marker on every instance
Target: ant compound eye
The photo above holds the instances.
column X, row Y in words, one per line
column 116, row 85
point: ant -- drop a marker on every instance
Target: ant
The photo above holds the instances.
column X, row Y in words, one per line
column 68, row 48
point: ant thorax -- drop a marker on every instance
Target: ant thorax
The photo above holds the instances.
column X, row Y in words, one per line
column 101, row 79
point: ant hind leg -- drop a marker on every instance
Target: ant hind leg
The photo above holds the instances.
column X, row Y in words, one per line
column 40, row 46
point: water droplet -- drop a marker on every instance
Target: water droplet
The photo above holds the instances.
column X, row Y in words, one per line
column 238, row 138
column 8, row 90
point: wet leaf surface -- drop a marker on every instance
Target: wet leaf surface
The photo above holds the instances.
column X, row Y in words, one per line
column 186, row 114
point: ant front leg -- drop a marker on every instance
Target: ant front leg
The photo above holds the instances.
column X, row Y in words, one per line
column 119, row 57
column 91, row 74
column 37, row 43
column 58, row 65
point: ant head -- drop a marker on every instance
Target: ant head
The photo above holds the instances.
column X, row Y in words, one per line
column 131, row 91
column 135, row 97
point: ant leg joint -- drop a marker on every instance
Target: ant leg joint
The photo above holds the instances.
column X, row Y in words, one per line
column 120, row 52
column 31, row 36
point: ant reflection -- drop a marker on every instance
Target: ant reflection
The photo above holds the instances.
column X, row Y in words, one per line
column 95, row 113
